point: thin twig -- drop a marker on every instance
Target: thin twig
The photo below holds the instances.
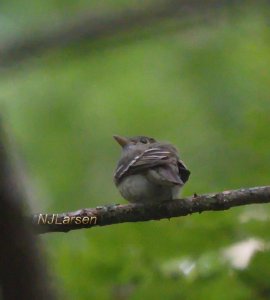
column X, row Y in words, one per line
column 114, row 214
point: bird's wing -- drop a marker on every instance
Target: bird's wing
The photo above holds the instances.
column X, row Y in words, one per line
column 183, row 171
column 143, row 160
column 150, row 159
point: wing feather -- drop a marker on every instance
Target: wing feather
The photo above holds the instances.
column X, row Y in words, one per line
column 157, row 159
column 148, row 158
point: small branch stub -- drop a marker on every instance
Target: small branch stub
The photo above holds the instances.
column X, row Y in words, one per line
column 118, row 213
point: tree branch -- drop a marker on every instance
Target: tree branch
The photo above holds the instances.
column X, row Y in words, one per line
column 88, row 27
column 114, row 214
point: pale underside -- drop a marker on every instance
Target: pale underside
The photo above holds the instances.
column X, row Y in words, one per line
column 138, row 188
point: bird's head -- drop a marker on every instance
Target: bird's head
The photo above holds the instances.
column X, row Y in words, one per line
column 136, row 140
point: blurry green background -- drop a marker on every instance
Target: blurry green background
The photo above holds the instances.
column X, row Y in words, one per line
column 203, row 87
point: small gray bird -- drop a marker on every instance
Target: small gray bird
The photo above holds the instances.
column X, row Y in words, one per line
column 149, row 171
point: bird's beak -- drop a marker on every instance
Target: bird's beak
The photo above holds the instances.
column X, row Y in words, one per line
column 121, row 140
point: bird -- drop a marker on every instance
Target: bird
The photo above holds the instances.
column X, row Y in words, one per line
column 149, row 171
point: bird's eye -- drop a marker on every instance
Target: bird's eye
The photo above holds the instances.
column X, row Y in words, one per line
column 144, row 140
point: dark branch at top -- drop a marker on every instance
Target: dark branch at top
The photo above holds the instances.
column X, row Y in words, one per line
column 114, row 214
column 92, row 28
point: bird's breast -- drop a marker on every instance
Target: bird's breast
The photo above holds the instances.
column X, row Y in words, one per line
column 137, row 188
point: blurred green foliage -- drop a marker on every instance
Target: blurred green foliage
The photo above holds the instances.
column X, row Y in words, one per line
column 206, row 89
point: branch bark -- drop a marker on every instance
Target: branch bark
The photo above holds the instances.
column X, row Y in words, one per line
column 114, row 214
